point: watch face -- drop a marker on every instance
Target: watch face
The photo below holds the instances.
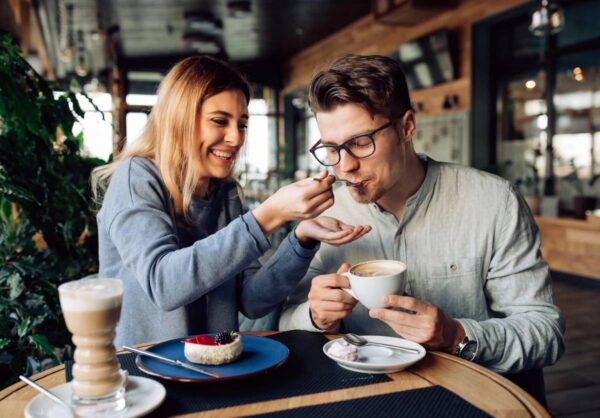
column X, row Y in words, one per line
column 468, row 351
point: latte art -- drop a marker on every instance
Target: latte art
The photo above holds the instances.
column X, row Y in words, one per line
column 371, row 281
column 375, row 269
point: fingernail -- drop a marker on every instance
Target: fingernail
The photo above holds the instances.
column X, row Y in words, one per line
column 373, row 313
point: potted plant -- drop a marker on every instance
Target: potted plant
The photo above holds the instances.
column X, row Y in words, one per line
column 47, row 219
column 583, row 200
column 529, row 187
column 529, row 184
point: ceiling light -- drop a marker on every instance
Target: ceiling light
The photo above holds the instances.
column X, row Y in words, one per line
column 202, row 44
column 145, row 76
column 547, row 19
column 202, row 22
column 239, row 8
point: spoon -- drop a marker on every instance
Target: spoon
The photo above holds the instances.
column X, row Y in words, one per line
column 46, row 392
column 359, row 341
column 338, row 180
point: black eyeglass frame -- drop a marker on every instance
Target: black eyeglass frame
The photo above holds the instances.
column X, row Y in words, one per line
column 343, row 146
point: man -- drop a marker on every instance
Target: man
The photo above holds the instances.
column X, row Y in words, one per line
column 476, row 283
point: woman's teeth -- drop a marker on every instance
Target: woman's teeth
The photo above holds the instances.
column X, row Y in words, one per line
column 221, row 154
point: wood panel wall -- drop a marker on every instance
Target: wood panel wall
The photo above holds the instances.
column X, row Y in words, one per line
column 571, row 246
column 366, row 36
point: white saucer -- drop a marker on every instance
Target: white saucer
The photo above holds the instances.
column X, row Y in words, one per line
column 379, row 360
column 143, row 396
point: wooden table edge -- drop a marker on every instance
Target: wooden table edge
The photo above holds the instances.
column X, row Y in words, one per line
column 528, row 402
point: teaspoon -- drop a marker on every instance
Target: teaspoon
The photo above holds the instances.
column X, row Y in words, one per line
column 46, row 392
column 359, row 341
column 338, row 180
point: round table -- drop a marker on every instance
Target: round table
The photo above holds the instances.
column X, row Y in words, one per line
column 477, row 385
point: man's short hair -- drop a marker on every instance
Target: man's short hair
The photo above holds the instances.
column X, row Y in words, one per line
column 373, row 81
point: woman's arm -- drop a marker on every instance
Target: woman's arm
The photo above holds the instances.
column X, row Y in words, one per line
column 137, row 216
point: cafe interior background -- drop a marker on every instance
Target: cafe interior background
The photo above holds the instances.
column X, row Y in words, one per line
column 497, row 85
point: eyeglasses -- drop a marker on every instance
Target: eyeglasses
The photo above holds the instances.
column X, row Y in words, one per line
column 359, row 146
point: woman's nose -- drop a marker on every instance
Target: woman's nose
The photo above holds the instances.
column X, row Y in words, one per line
column 234, row 137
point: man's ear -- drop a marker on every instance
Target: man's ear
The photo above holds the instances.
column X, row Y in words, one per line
column 408, row 125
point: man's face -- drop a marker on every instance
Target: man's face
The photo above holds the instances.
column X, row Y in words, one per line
column 374, row 176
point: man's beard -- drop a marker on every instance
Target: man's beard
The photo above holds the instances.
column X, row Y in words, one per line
column 361, row 195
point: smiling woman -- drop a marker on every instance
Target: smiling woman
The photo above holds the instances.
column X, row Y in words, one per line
column 171, row 223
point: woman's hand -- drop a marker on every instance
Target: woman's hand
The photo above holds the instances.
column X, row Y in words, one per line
column 328, row 230
column 298, row 201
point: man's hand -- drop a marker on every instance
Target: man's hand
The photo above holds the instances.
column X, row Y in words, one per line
column 428, row 326
column 329, row 304
column 328, row 230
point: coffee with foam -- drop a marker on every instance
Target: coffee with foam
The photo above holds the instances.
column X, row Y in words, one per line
column 91, row 295
column 378, row 268
column 371, row 281
column 91, row 308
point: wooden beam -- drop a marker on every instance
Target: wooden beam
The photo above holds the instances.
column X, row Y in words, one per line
column 38, row 43
column 117, row 89
column 25, row 26
column 8, row 21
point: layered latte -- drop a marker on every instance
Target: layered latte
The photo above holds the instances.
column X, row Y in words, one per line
column 91, row 308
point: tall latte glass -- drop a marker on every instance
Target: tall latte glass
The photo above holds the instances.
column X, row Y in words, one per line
column 91, row 308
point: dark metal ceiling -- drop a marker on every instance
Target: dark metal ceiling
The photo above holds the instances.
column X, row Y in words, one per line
column 258, row 35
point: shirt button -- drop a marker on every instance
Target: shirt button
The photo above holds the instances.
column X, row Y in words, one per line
column 453, row 267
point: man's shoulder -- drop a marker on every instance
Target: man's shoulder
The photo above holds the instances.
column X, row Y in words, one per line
column 471, row 179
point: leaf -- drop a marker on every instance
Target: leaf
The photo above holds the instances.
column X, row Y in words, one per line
column 41, row 343
column 5, row 210
column 4, row 342
column 15, row 282
column 24, row 326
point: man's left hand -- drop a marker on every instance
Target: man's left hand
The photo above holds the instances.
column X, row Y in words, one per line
column 329, row 230
column 429, row 325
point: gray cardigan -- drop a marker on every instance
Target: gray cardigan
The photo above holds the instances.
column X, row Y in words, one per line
column 180, row 279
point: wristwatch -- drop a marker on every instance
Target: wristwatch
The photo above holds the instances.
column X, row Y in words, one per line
column 467, row 349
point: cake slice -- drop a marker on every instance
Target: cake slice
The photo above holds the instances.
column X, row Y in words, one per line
column 225, row 347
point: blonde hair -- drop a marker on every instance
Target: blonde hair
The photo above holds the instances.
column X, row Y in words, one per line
column 169, row 137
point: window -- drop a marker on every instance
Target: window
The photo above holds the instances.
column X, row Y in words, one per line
column 96, row 124
column 521, row 112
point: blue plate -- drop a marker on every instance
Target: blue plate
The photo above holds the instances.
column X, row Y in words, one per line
column 259, row 355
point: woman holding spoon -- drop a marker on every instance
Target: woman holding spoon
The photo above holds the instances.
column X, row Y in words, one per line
column 172, row 226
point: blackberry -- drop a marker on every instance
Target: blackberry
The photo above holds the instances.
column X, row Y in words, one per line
column 225, row 337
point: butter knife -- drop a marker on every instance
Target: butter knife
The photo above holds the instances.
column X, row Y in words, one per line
column 171, row 361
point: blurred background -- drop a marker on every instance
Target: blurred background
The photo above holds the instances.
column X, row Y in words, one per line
column 511, row 87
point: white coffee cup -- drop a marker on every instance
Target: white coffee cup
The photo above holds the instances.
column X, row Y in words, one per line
column 371, row 281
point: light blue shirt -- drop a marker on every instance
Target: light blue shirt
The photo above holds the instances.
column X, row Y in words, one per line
column 471, row 247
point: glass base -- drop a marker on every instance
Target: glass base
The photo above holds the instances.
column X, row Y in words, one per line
column 113, row 405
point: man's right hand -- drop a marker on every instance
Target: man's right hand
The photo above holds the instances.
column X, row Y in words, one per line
column 329, row 304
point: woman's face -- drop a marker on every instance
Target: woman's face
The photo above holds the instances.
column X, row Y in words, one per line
column 222, row 130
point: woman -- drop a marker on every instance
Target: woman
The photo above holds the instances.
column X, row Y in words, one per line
column 171, row 225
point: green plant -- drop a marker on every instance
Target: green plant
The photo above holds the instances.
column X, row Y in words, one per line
column 581, row 186
column 529, row 185
column 47, row 220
